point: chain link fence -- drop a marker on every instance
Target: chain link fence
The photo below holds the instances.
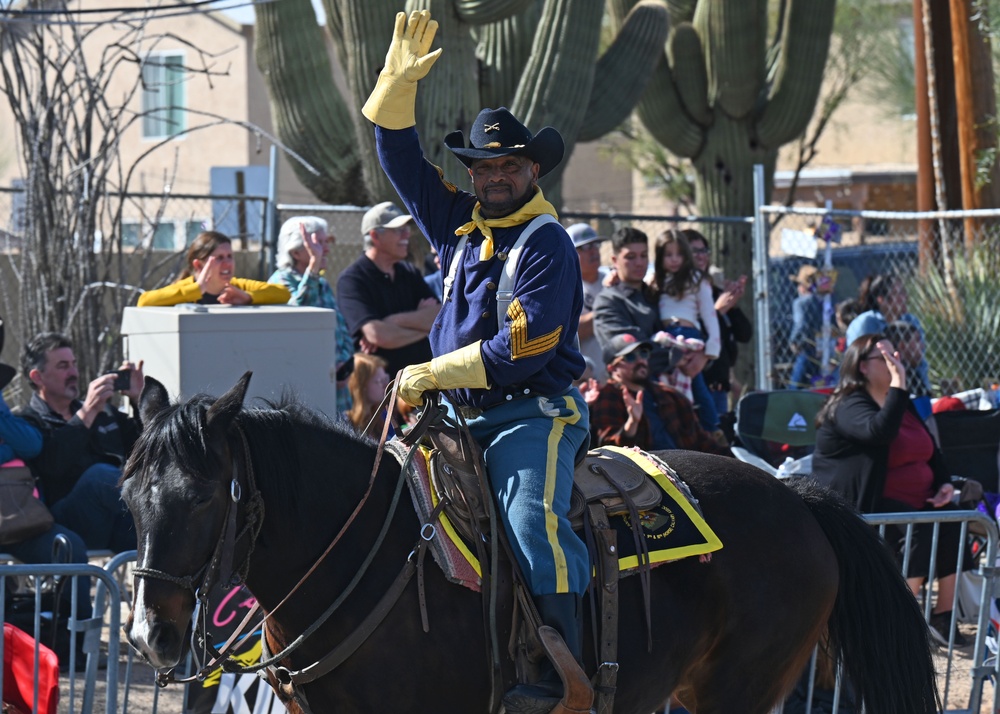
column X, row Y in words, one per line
column 954, row 293
column 162, row 222
column 344, row 225
column 952, row 289
column 154, row 230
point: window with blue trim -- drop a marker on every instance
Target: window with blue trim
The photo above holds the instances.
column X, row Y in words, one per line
column 163, row 96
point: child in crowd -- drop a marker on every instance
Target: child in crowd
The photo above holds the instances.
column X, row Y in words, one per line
column 208, row 279
column 367, row 384
column 685, row 296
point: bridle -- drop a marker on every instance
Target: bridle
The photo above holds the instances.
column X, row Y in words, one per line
column 221, row 563
column 219, row 568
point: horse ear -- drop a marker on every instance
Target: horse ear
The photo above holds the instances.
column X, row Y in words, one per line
column 153, row 400
column 224, row 410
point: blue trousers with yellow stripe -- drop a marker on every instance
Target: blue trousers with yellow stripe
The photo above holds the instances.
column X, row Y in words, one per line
column 529, row 445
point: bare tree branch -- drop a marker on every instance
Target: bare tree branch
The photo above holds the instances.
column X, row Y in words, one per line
column 71, row 112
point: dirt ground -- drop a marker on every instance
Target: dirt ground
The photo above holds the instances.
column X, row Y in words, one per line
column 956, row 683
column 140, row 696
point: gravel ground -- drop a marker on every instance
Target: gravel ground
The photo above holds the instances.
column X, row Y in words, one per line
column 143, row 696
column 956, row 683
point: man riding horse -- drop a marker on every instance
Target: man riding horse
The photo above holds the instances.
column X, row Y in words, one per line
column 506, row 361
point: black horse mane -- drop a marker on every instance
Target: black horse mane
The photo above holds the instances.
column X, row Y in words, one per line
column 292, row 447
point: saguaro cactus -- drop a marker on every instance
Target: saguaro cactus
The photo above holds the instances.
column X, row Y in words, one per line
column 721, row 97
column 310, row 116
column 725, row 100
column 538, row 57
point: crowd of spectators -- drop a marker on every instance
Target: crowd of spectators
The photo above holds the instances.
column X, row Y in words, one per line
column 659, row 344
column 877, row 437
column 640, row 368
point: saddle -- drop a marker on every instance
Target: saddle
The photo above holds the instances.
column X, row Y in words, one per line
column 605, row 484
column 601, row 477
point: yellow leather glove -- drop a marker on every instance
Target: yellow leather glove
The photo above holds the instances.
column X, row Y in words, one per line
column 461, row 369
column 392, row 102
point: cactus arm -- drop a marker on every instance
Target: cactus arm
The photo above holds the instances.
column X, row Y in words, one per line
column 624, row 70
column 503, row 51
column 481, row 12
column 310, row 116
column 802, row 59
column 335, row 26
column 684, row 51
column 556, row 84
column 367, row 31
column 681, row 11
column 664, row 116
column 448, row 97
column 734, row 40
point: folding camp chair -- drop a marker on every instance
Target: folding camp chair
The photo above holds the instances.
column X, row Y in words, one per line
column 970, row 442
column 776, row 431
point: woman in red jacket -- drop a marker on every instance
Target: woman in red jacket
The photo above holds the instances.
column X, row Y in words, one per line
column 873, row 448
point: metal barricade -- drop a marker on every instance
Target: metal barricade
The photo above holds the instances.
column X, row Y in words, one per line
column 84, row 635
column 128, row 683
column 108, row 588
column 984, row 664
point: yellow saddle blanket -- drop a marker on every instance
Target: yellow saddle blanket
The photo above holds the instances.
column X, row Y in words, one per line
column 674, row 529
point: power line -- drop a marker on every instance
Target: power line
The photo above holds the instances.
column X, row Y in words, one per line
column 65, row 9
column 22, row 16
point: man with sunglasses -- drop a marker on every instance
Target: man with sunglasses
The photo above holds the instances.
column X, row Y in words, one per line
column 506, row 357
column 632, row 410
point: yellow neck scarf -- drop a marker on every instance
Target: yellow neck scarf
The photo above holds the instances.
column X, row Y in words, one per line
column 535, row 207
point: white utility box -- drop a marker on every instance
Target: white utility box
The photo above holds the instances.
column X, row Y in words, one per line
column 193, row 349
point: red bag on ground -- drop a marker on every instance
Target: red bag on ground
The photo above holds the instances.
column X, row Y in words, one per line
column 19, row 673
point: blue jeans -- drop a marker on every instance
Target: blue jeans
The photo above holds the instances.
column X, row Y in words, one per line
column 43, row 549
column 721, row 400
column 804, row 369
column 530, row 448
column 703, row 399
column 94, row 509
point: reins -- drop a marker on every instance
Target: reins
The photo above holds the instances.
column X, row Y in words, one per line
column 223, row 555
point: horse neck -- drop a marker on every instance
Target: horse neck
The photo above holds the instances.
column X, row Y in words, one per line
column 297, row 532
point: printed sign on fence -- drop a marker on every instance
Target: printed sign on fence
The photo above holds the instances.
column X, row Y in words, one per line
column 225, row 692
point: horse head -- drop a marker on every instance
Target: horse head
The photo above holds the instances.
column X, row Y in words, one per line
column 180, row 484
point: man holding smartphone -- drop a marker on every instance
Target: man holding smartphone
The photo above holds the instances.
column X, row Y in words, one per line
column 84, row 441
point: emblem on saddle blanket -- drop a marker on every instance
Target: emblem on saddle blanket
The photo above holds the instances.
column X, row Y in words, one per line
column 668, row 515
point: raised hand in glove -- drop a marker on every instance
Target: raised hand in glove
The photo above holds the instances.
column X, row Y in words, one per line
column 392, row 102
column 461, row 369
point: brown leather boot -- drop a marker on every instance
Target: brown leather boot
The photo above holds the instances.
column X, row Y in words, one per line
column 564, row 613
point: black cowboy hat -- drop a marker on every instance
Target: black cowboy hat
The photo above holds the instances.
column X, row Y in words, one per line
column 7, row 372
column 496, row 132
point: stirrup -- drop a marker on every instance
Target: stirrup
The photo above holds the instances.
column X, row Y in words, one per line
column 577, row 695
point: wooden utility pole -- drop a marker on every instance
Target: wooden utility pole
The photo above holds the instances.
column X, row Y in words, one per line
column 925, row 160
column 966, row 114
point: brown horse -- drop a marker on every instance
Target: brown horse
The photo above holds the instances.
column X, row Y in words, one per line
column 729, row 635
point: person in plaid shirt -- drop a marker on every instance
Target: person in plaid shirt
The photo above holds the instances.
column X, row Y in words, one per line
column 630, row 410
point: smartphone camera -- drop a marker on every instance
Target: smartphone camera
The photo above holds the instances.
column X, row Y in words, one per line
column 123, row 379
